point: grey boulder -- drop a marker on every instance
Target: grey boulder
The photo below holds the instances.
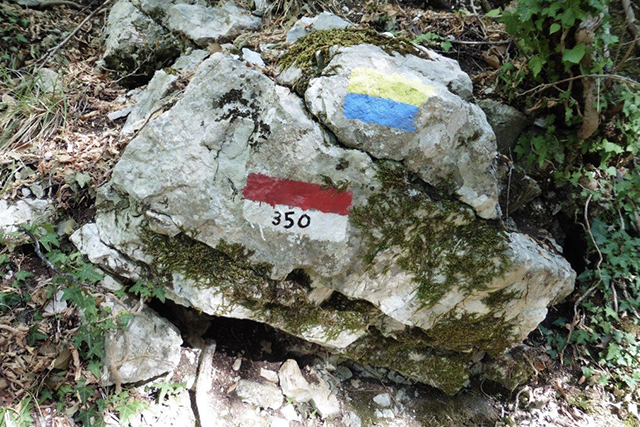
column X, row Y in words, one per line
column 399, row 108
column 245, row 206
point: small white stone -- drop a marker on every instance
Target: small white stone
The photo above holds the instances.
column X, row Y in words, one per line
column 385, row 413
column 293, row 384
column 290, row 413
column 261, row 395
column 237, row 364
column 269, row 375
column 252, row 57
column 383, row 400
column 56, row 305
column 115, row 115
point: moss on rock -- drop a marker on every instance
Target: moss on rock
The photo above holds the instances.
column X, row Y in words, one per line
column 228, row 269
column 471, row 332
column 411, row 355
column 303, row 52
column 441, row 243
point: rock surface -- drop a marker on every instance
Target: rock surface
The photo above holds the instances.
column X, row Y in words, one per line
column 323, row 21
column 135, row 42
column 243, row 204
column 205, row 24
column 14, row 213
column 399, row 108
column 262, row 395
column 507, row 123
column 149, row 346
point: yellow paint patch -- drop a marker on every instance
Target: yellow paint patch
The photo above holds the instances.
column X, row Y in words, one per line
column 367, row 81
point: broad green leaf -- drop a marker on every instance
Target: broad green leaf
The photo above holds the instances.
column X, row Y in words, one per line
column 23, row 275
column 48, row 240
column 610, row 147
column 554, row 28
column 494, row 13
column 574, row 55
column 535, row 65
column 82, row 179
column 87, row 273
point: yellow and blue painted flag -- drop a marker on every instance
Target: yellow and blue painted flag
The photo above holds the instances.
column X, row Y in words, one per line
column 384, row 99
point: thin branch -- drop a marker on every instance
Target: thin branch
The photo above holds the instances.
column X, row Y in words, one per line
column 36, row 246
column 52, row 3
column 482, row 42
column 54, row 49
column 582, row 76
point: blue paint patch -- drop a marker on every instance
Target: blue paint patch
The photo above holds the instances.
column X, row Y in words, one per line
column 380, row 111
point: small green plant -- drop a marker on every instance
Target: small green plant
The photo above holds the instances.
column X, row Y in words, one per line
column 434, row 40
column 546, row 34
column 590, row 144
column 146, row 289
column 13, row 37
column 19, row 416
column 77, row 280
column 30, row 110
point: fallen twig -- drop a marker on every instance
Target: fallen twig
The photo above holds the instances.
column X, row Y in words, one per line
column 57, row 47
column 481, row 42
column 36, row 246
column 545, row 86
column 52, row 3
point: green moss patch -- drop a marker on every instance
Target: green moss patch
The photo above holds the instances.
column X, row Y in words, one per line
column 411, row 356
column 472, row 332
column 317, row 44
column 442, row 244
column 228, row 269
column 303, row 52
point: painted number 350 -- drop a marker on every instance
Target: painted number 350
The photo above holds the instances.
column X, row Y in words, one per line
column 289, row 219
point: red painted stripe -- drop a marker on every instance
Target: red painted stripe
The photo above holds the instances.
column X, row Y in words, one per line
column 279, row 191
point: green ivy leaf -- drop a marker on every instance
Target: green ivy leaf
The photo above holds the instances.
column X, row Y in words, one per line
column 535, row 64
column 554, row 28
column 87, row 273
column 94, row 367
column 23, row 275
column 82, row 179
column 575, row 55
column 48, row 240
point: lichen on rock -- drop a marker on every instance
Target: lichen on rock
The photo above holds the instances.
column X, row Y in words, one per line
column 441, row 243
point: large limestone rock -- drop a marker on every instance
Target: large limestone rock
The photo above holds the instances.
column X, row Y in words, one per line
column 244, row 206
column 396, row 107
column 324, row 21
column 143, row 34
column 135, row 43
column 206, row 24
column 149, row 346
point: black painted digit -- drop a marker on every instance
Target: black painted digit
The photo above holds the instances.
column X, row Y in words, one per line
column 304, row 221
column 276, row 220
column 288, row 219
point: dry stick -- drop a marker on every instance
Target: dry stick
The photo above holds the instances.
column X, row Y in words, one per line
column 582, row 76
column 630, row 18
column 487, row 42
column 54, row 49
column 52, row 3
column 593, row 287
column 36, row 246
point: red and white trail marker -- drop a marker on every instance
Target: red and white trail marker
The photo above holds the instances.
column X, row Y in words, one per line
column 297, row 207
